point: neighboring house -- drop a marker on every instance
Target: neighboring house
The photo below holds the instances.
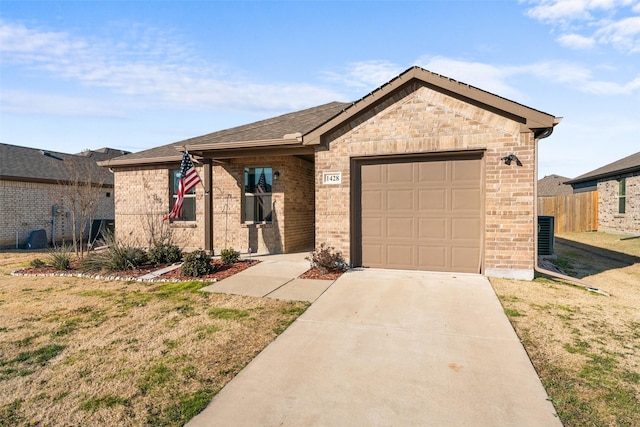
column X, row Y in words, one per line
column 554, row 185
column 412, row 176
column 618, row 186
column 33, row 186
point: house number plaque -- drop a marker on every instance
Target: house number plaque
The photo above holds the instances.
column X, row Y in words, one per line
column 332, row 178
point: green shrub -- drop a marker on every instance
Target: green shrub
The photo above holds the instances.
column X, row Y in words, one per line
column 325, row 259
column 165, row 253
column 229, row 256
column 60, row 258
column 36, row 263
column 116, row 257
column 197, row 264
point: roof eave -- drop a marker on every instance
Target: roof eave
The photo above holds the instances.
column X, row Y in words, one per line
column 139, row 162
column 604, row 175
column 530, row 119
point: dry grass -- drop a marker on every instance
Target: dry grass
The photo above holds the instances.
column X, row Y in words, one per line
column 86, row 352
column 585, row 346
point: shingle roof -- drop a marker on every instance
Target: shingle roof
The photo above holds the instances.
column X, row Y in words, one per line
column 31, row 164
column 273, row 128
column 628, row 164
column 554, row 185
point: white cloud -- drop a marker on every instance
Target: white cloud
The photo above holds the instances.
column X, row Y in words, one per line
column 147, row 68
column 585, row 22
column 21, row 102
column 624, row 35
column 576, row 41
column 365, row 74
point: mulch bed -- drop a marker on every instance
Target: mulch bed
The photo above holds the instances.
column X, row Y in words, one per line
column 223, row 271
column 315, row 273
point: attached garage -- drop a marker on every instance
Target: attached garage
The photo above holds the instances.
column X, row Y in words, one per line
column 420, row 213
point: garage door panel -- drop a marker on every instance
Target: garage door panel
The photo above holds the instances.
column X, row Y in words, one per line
column 466, row 170
column 465, row 199
column 465, row 229
column 400, row 256
column 400, row 227
column 422, row 214
column 465, row 259
column 432, row 172
column 432, row 228
column 435, row 199
column 373, row 254
column 400, row 173
column 373, row 227
column 371, row 174
column 400, row 199
column 372, row 200
column 432, row 258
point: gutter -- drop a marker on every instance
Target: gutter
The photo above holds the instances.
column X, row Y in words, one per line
column 586, row 285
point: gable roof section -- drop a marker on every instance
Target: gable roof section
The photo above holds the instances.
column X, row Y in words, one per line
column 286, row 129
column 554, row 185
column 305, row 128
column 531, row 119
column 34, row 165
column 626, row 165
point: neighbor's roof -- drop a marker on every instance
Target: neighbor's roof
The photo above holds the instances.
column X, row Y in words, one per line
column 34, row 165
column 554, row 185
column 306, row 127
column 626, row 165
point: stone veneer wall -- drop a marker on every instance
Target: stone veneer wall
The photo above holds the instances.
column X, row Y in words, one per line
column 142, row 199
column 27, row 206
column 608, row 217
column 420, row 120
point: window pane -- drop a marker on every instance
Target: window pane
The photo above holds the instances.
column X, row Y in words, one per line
column 622, row 204
column 257, row 208
column 174, row 184
column 258, row 179
column 622, row 187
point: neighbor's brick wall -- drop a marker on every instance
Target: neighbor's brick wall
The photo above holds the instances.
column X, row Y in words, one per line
column 420, row 120
column 27, row 206
column 142, row 199
column 608, row 217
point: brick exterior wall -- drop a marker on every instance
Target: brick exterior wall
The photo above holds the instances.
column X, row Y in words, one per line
column 417, row 119
column 292, row 201
column 143, row 199
column 27, row 206
column 608, row 217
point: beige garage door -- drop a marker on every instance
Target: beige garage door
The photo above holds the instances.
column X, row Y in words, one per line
column 422, row 215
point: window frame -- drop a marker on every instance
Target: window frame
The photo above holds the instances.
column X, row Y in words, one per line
column 174, row 178
column 622, row 196
column 247, row 195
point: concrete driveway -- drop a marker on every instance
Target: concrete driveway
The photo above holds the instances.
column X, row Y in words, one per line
column 392, row 348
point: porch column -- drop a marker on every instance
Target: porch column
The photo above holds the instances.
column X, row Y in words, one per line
column 208, row 205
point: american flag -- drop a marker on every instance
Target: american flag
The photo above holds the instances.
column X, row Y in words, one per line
column 261, row 188
column 189, row 178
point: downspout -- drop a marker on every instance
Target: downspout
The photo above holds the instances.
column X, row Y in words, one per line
column 537, row 137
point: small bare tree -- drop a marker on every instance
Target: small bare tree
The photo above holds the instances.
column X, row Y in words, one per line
column 81, row 191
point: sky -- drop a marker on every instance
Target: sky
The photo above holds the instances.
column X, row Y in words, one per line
column 133, row 75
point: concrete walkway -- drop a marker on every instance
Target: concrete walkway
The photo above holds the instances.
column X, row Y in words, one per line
column 275, row 277
column 390, row 348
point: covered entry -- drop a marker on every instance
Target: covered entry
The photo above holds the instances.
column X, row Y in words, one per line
column 419, row 213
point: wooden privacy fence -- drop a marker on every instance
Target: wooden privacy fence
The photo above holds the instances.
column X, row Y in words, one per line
column 574, row 212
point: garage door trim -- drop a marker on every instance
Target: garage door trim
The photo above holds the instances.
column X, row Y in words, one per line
column 356, row 186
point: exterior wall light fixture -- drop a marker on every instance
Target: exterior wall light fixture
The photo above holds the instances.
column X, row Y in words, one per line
column 510, row 158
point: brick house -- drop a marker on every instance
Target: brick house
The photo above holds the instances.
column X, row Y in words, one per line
column 618, row 187
column 415, row 175
column 32, row 191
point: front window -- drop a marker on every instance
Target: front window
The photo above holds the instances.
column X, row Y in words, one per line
column 257, row 194
column 189, row 203
column 622, row 195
